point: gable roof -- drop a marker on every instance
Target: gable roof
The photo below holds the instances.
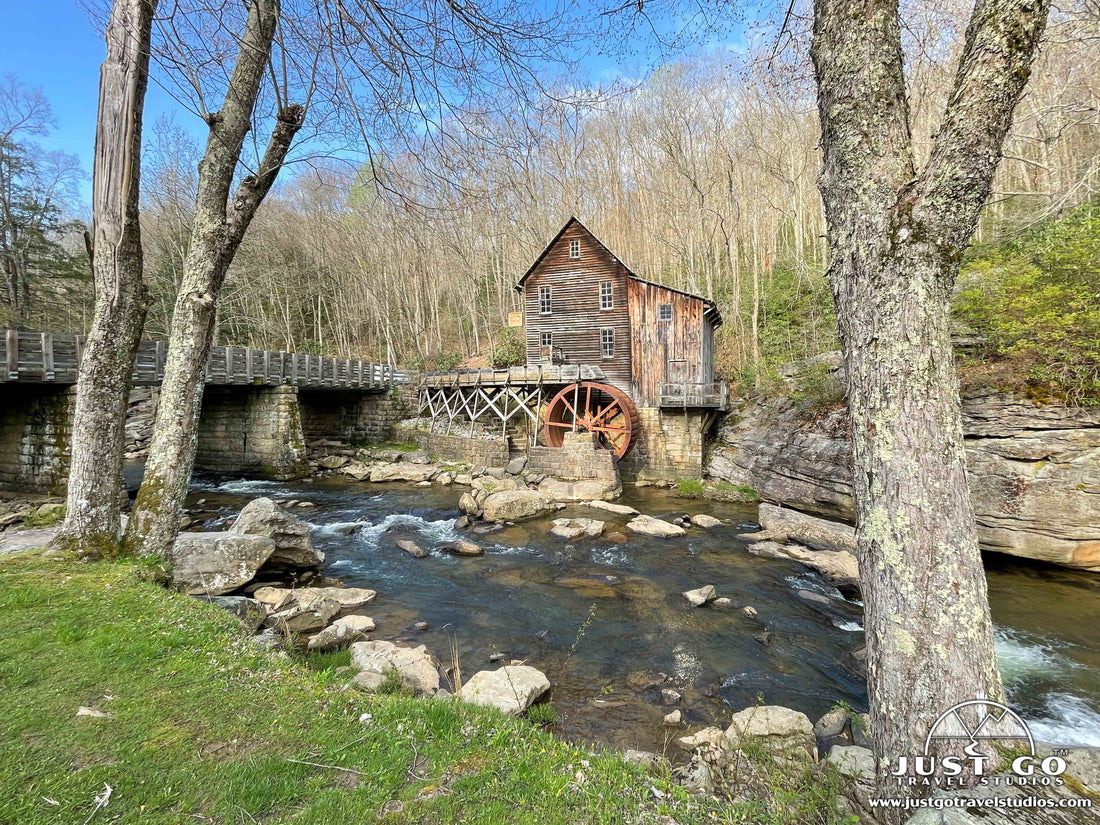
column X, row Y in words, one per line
column 712, row 308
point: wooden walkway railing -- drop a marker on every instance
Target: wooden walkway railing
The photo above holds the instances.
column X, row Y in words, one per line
column 44, row 357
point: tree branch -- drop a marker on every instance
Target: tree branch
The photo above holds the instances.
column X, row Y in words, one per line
column 1001, row 42
column 254, row 188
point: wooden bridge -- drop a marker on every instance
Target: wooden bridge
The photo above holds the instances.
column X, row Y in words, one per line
column 51, row 358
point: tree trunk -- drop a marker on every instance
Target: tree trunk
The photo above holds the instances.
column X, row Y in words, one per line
column 98, row 439
column 218, row 227
column 895, row 238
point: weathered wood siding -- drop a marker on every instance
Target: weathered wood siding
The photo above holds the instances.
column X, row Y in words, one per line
column 577, row 319
column 667, row 350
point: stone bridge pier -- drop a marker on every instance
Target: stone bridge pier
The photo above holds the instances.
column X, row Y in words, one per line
column 255, row 430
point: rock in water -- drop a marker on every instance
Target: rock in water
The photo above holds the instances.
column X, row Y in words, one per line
column 402, row 471
column 701, row 595
column 705, row 521
column 357, row 470
column 217, row 563
column 780, row 730
column 468, row 505
column 412, row 548
column 583, row 490
column 293, row 548
column 512, row 688
column 514, row 505
column 464, row 548
column 617, row 509
column 573, row 528
column 413, row 665
column 650, row 526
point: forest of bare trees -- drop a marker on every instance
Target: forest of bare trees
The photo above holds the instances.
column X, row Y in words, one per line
column 698, row 176
column 701, row 175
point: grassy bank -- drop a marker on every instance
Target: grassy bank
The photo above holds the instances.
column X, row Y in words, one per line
column 204, row 726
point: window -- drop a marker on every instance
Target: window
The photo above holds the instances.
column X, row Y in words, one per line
column 607, row 342
column 545, row 306
column 664, row 312
column 607, row 300
column 574, row 249
column 546, row 339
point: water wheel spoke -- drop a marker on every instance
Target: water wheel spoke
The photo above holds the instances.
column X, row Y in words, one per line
column 603, row 410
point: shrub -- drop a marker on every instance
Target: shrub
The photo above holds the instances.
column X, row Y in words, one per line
column 1036, row 302
column 510, row 349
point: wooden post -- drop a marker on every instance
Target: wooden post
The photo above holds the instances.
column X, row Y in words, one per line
column 12, row 338
column 159, row 352
column 47, row 356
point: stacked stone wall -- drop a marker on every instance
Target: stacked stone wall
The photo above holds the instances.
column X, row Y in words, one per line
column 252, row 430
column 35, row 437
column 490, row 453
column 579, row 458
column 669, row 447
column 355, row 414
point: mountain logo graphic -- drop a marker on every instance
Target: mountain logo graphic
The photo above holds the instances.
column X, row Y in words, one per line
column 980, row 722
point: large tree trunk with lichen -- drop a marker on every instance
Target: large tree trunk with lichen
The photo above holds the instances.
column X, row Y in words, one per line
column 895, row 238
column 98, row 438
column 218, row 226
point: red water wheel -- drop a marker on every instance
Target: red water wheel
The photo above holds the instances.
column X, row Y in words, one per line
column 595, row 408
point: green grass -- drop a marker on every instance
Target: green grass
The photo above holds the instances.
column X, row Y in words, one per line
column 689, row 488
column 715, row 490
column 205, row 726
column 542, row 715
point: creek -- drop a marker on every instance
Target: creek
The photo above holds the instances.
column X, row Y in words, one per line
column 601, row 618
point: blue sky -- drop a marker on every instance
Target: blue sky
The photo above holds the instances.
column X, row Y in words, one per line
column 52, row 44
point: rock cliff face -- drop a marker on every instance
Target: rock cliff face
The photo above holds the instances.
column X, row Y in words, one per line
column 1034, row 470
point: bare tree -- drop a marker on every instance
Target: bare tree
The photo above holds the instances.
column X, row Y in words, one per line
column 92, row 516
column 35, row 185
column 896, row 234
column 219, row 223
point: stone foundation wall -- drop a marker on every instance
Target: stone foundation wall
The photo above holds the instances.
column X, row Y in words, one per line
column 253, row 430
column 355, row 414
column 579, row 458
column 490, row 453
column 35, row 437
column 669, row 447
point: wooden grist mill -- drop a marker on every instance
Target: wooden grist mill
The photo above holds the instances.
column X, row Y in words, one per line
column 603, row 345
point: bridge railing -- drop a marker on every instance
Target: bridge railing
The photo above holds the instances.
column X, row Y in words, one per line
column 690, row 395
column 44, row 357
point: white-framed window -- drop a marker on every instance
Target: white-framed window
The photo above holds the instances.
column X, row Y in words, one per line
column 607, row 298
column 574, row 249
column 546, row 339
column 607, row 342
column 546, row 306
column 664, row 312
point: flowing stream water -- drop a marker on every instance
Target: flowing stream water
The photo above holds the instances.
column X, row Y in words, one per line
column 604, row 619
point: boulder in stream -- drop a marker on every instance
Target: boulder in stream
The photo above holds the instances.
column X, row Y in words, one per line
column 217, row 563
column 514, row 505
column 293, row 547
column 650, row 526
column 512, row 688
